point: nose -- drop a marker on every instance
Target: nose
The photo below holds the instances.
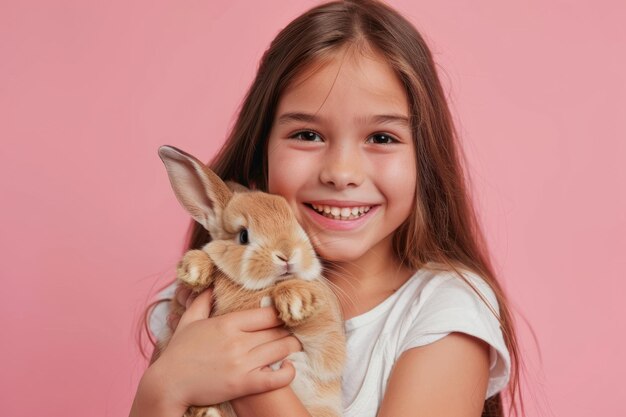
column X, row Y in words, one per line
column 342, row 166
column 281, row 257
column 283, row 262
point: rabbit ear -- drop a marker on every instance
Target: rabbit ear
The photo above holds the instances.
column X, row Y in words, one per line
column 197, row 188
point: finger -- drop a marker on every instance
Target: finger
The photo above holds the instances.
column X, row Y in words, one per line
column 190, row 299
column 199, row 308
column 274, row 351
column 256, row 319
column 181, row 294
column 264, row 380
column 268, row 335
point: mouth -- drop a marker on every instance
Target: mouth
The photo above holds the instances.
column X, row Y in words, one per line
column 340, row 213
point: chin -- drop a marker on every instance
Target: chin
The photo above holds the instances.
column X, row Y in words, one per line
column 338, row 253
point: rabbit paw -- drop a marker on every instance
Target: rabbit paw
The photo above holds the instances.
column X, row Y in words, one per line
column 195, row 269
column 296, row 301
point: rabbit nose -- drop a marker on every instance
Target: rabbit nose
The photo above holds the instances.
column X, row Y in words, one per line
column 279, row 257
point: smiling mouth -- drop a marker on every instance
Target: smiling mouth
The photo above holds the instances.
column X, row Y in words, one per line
column 339, row 213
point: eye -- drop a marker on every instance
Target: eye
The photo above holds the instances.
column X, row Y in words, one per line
column 243, row 236
column 382, row 138
column 306, row 135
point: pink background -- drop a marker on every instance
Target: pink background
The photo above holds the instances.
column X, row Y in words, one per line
column 91, row 229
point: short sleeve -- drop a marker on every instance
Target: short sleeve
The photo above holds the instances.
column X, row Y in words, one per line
column 450, row 305
column 158, row 317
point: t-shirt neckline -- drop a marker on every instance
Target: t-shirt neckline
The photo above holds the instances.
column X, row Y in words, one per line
column 379, row 309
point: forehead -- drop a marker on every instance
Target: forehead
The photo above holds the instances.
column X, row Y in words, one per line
column 352, row 80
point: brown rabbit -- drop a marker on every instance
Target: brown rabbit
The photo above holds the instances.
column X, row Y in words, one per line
column 259, row 255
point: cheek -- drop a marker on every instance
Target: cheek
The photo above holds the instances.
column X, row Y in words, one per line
column 398, row 180
column 288, row 171
column 399, row 176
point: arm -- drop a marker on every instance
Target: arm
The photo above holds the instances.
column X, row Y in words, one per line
column 282, row 402
column 211, row 360
column 151, row 400
column 446, row 378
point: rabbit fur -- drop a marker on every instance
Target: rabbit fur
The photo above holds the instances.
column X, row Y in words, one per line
column 276, row 265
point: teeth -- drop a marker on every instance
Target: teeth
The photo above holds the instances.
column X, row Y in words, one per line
column 341, row 213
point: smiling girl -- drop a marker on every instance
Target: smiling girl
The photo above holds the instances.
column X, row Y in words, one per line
column 346, row 119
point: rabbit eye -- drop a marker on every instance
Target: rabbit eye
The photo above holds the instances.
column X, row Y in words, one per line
column 243, row 236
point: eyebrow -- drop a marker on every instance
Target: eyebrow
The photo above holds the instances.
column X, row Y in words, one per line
column 375, row 119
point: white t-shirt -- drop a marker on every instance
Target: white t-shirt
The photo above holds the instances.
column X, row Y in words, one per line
column 429, row 306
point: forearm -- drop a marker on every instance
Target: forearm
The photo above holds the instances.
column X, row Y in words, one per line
column 282, row 402
column 150, row 401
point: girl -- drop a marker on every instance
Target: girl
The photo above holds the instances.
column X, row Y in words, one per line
column 347, row 120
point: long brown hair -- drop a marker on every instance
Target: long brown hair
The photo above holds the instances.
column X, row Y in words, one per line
column 443, row 227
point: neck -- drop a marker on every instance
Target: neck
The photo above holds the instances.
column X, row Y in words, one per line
column 363, row 283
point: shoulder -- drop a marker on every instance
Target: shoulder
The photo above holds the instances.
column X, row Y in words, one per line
column 433, row 297
column 448, row 303
column 462, row 290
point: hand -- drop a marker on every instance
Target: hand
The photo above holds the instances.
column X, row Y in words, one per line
column 211, row 360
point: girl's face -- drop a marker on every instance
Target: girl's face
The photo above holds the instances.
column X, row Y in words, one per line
column 341, row 144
